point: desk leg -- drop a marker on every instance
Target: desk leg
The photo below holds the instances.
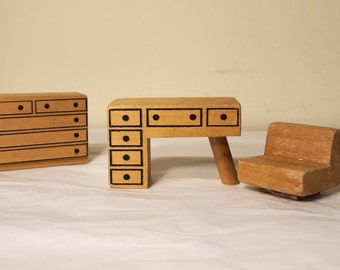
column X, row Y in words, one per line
column 224, row 160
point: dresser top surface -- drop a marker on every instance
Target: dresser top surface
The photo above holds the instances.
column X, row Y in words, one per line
column 176, row 102
column 45, row 96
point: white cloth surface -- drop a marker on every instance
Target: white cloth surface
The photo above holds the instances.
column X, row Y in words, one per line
column 67, row 217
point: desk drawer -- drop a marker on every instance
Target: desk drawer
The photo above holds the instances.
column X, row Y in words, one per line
column 60, row 105
column 125, row 118
column 126, row 177
column 39, row 138
column 126, row 158
column 31, row 123
column 42, row 153
column 174, row 117
column 16, row 107
column 223, row 117
column 125, row 138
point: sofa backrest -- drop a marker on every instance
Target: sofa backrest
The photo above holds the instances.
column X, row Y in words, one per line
column 302, row 142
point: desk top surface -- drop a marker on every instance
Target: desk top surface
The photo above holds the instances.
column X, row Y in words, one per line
column 176, row 102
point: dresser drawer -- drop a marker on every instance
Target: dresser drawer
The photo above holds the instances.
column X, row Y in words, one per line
column 31, row 123
column 40, row 138
column 42, row 153
column 16, row 107
column 123, row 138
column 125, row 118
column 174, row 117
column 126, row 177
column 222, row 117
column 126, row 158
column 60, row 105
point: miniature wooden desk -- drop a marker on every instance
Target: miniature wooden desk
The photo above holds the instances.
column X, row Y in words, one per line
column 132, row 122
column 38, row 130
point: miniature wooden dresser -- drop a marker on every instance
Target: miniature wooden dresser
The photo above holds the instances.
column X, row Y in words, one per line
column 132, row 122
column 38, row 130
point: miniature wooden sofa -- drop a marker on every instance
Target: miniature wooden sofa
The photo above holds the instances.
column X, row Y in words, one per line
column 298, row 160
column 133, row 121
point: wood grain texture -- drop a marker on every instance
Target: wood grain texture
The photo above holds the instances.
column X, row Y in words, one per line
column 133, row 122
column 298, row 160
column 224, row 160
column 42, row 129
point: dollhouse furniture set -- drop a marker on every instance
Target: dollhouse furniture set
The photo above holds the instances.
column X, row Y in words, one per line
column 49, row 129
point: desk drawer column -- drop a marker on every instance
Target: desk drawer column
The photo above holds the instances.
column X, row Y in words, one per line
column 128, row 149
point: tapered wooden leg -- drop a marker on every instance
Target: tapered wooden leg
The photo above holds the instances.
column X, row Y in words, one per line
column 224, row 160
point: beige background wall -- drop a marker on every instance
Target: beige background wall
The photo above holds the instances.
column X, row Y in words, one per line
column 280, row 59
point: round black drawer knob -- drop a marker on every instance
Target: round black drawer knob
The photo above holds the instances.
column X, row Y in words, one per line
column 76, row 151
column 20, row 107
column 223, row 116
column 75, row 104
column 126, row 157
column 126, row 177
column 76, row 119
column 125, row 117
column 193, row 117
column 47, row 106
column 126, row 138
column 76, row 135
column 155, row 117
